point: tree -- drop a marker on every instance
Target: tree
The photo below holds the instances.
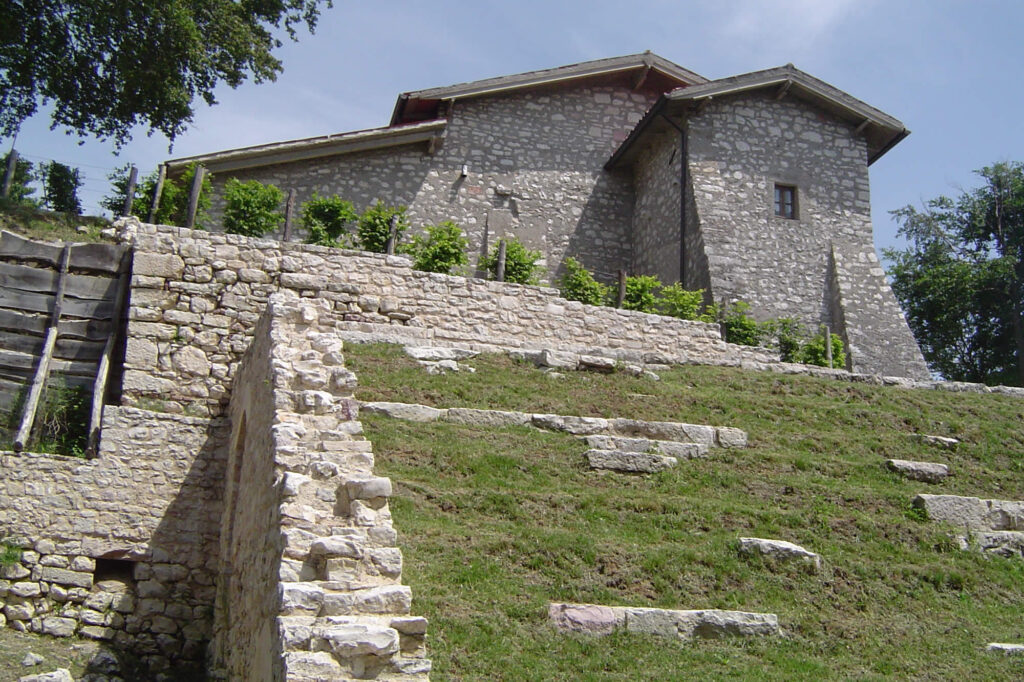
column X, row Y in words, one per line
column 20, row 190
column 440, row 248
column 960, row 279
column 108, row 66
column 60, row 187
column 250, row 208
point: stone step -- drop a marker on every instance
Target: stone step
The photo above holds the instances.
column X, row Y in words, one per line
column 943, row 442
column 385, row 599
column 1007, row 543
column 926, row 472
column 701, row 434
column 781, row 550
column 670, row 448
column 712, row 623
column 1006, row 649
column 973, row 512
column 628, row 461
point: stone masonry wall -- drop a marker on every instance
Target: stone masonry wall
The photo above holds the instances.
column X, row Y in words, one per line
column 152, row 500
column 535, row 170
column 739, row 148
column 313, row 577
column 656, row 220
column 196, row 297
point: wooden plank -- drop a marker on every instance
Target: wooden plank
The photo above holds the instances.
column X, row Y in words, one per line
column 9, row 394
column 43, row 303
column 99, row 389
column 16, row 246
column 96, row 257
column 161, row 176
column 35, row 324
column 39, row 280
column 65, row 349
column 92, row 257
column 35, row 390
column 13, row 363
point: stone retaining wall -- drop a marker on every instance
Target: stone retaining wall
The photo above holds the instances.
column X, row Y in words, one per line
column 122, row 547
column 196, row 297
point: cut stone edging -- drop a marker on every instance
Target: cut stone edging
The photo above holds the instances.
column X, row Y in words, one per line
column 781, row 550
column 634, row 462
column 595, row 619
column 926, row 472
column 994, row 526
column 709, row 436
column 1006, row 649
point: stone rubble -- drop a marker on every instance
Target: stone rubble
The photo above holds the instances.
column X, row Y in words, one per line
column 58, row 675
column 686, row 625
column 926, row 472
column 781, row 550
column 943, row 442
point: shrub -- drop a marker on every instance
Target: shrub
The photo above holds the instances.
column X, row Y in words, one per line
column 60, row 188
column 327, row 220
column 676, row 301
column 374, row 227
column 250, row 208
column 642, row 293
column 785, row 334
column 813, row 352
column 577, row 284
column 439, row 250
column 520, row 263
column 173, row 208
column 739, row 327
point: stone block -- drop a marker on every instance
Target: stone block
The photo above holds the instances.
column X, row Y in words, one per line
column 301, row 598
column 411, row 625
column 943, row 442
column 635, row 462
column 780, row 550
column 1006, row 648
column 352, row 640
column 369, row 488
column 486, row 418
column 407, row 411
column 577, row 426
column 25, row 590
column 926, row 472
column 427, row 354
column 58, row 675
column 557, row 359
column 728, row 437
column 590, row 619
column 714, row 624
column 59, row 627
column 167, row 266
column 64, row 577
column 312, row 665
column 386, row 599
column 337, row 546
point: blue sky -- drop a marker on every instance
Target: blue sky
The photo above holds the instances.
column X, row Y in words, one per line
column 950, row 71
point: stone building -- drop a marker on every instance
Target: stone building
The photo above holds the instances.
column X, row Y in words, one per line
column 753, row 187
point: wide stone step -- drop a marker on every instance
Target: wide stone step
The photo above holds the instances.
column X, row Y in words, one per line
column 701, row 434
column 973, row 512
column 926, row 472
column 624, row 460
column 710, row 623
column 781, row 550
column 662, row 447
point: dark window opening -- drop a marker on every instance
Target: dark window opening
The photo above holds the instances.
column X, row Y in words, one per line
column 114, row 569
column 785, row 201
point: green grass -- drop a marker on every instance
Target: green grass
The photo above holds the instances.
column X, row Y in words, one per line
column 495, row 524
column 49, row 226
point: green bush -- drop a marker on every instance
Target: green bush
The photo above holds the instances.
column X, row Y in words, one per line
column 250, row 208
column 642, row 293
column 520, row 263
column 785, row 334
column 813, row 352
column 328, row 220
column 20, row 190
column 577, row 284
column 173, row 208
column 675, row 301
column 440, row 249
column 739, row 327
column 60, row 188
column 374, row 227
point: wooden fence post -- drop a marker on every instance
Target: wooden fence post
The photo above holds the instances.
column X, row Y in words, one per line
column 828, row 344
column 12, row 166
column 157, row 191
column 500, row 274
column 389, row 248
column 621, row 297
column 193, row 197
column 289, row 212
column 129, row 194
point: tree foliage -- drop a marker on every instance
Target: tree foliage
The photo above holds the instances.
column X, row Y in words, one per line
column 250, row 208
column 20, row 191
column 327, row 220
column 107, row 66
column 60, row 187
column 960, row 278
column 521, row 265
column 374, row 226
column 578, row 284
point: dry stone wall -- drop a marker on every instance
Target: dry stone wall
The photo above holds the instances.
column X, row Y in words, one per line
column 196, row 297
column 123, row 547
column 656, row 219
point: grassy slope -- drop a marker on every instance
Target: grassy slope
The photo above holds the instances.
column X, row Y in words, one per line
column 47, row 226
column 494, row 524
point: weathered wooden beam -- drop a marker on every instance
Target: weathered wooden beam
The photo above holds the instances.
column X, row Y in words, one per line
column 289, row 215
column 161, row 175
column 38, row 280
column 193, row 197
column 389, row 248
column 43, row 303
column 621, row 296
column 783, row 90
column 500, row 274
column 859, row 129
column 90, row 257
column 641, row 77
column 12, row 167
column 23, row 365
column 35, row 390
column 129, row 194
column 99, row 388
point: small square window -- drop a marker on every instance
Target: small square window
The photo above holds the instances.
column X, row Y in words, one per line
column 785, row 201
